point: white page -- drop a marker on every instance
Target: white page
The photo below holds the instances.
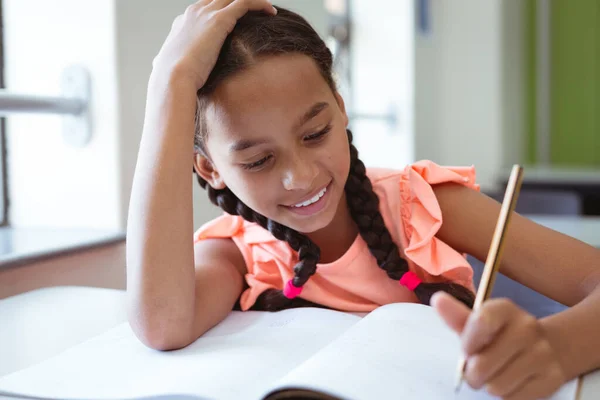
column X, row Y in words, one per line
column 399, row 351
column 237, row 359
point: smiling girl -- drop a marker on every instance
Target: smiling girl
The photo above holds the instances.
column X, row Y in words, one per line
column 243, row 95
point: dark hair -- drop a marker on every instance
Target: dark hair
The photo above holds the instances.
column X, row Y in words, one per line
column 255, row 35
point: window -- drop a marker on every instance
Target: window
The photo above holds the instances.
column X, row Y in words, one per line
column 3, row 180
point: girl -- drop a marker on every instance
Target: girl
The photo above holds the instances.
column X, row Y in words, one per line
column 244, row 94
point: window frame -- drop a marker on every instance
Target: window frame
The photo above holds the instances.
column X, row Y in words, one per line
column 4, row 201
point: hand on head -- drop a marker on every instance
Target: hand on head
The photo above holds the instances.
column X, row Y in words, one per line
column 194, row 42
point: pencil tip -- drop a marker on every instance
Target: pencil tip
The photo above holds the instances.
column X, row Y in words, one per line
column 458, row 384
column 459, row 375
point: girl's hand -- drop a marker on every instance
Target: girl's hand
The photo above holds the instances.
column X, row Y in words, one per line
column 506, row 350
column 196, row 37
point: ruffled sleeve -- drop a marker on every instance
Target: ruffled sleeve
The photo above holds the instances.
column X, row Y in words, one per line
column 268, row 261
column 421, row 219
column 225, row 226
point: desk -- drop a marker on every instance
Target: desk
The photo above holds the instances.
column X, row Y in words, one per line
column 42, row 323
column 584, row 228
column 45, row 322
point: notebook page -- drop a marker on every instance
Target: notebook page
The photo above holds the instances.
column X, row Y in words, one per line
column 237, row 359
column 399, row 351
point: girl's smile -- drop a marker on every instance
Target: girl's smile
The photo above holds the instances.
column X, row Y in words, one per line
column 313, row 203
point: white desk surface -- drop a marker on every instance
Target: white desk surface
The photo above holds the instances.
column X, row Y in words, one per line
column 45, row 322
column 42, row 323
column 584, row 228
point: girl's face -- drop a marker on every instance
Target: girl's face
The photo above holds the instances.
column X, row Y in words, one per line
column 277, row 138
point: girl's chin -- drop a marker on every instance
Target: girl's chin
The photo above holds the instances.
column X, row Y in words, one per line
column 310, row 225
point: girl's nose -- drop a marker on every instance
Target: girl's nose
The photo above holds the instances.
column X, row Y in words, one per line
column 299, row 174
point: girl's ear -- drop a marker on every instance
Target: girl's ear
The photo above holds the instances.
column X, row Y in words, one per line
column 207, row 171
column 342, row 106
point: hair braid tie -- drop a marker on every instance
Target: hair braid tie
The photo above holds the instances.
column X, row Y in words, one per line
column 290, row 290
column 410, row 280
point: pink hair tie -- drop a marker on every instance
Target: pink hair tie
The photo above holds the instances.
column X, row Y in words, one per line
column 410, row 280
column 290, row 291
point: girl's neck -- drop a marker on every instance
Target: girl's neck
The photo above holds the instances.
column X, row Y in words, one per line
column 336, row 238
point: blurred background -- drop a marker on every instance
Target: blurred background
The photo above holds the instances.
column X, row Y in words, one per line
column 487, row 83
column 462, row 82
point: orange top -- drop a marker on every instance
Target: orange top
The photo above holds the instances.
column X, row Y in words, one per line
column 355, row 282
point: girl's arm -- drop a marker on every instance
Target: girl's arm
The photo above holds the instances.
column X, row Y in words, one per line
column 171, row 303
column 160, row 252
column 553, row 264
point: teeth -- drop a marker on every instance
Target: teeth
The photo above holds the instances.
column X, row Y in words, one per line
column 313, row 200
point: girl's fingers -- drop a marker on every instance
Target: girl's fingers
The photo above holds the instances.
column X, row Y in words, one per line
column 509, row 345
column 198, row 5
column 219, row 4
column 176, row 21
column 452, row 311
column 520, row 370
column 487, row 322
column 240, row 7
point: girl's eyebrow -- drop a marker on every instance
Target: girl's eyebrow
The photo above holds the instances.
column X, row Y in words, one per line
column 245, row 144
column 311, row 113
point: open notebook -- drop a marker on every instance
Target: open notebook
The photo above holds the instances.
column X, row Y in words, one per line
column 399, row 351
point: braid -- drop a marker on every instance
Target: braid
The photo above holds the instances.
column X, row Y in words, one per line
column 364, row 208
column 308, row 252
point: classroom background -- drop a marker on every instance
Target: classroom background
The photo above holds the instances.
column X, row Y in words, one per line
column 462, row 82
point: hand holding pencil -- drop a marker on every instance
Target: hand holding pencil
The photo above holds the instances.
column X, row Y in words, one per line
column 505, row 349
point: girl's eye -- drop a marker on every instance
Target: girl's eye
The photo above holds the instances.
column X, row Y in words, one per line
column 318, row 135
column 256, row 164
column 315, row 137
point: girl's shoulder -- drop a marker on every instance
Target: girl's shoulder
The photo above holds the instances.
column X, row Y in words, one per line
column 412, row 214
column 407, row 194
column 227, row 226
column 424, row 171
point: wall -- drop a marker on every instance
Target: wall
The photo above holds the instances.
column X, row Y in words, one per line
column 51, row 183
column 381, row 69
column 469, row 70
column 513, row 82
column 142, row 26
column 575, row 83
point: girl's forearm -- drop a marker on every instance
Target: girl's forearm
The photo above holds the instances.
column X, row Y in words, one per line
column 575, row 335
column 160, row 258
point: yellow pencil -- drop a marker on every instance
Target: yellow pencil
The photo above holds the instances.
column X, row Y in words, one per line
column 493, row 259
